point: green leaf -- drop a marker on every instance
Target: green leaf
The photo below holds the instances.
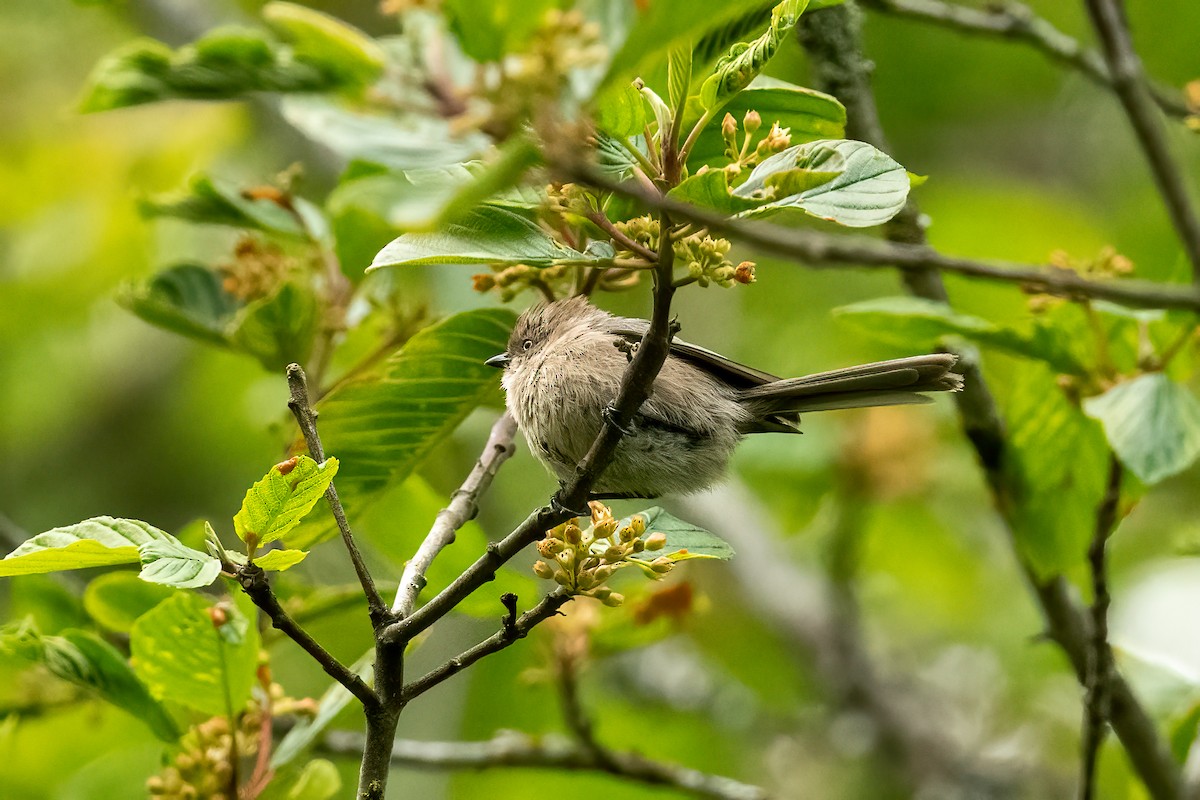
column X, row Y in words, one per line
column 225, row 63
column 1057, row 464
column 338, row 50
column 912, row 322
column 117, row 599
column 187, row 299
column 621, row 112
column 488, row 31
column 86, row 661
column 214, row 201
column 183, row 657
column 809, row 115
column 279, row 329
column 171, row 563
column 679, row 79
column 1152, row 423
column 95, row 542
column 486, row 235
column 383, row 425
column 279, row 560
column 319, row 780
column 277, row 503
column 332, row 702
column 500, row 175
column 711, row 190
column 684, row 540
column 743, row 62
column 870, row 189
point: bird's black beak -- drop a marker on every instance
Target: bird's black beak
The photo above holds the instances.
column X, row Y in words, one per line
column 499, row 362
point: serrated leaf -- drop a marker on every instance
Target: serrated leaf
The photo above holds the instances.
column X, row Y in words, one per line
column 1152, row 423
column 93, row 664
column 807, row 114
column 383, row 425
column 335, row 48
column 219, row 202
column 183, row 657
column 277, row 503
column 279, row 560
column 621, row 112
column 485, row 235
column 684, row 540
column 278, row 329
column 171, row 563
column 913, row 322
column 188, row 299
column 736, row 69
column 1057, row 464
column 117, row 599
column 870, row 188
column 332, row 702
column 679, row 77
column 95, row 542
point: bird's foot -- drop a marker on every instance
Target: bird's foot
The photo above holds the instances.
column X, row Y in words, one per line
column 559, row 507
column 610, row 417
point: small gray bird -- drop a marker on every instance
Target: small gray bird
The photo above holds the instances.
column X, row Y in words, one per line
column 563, row 368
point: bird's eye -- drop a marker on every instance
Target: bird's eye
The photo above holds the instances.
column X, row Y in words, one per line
column 527, row 344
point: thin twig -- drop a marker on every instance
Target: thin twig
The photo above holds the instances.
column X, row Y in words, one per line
column 1099, row 654
column 464, row 505
column 1018, row 22
column 518, row 750
column 511, row 631
column 1129, row 82
column 306, row 418
column 817, row 249
column 601, row 221
column 254, row 583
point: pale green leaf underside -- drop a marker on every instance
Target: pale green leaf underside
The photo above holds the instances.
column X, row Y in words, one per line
column 276, row 503
column 684, row 540
column 172, row 563
column 1152, row 423
column 95, row 542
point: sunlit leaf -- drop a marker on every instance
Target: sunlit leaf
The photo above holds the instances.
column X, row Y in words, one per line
column 621, row 112
column 117, row 599
column 171, row 563
column 1152, row 423
column 279, row 560
column 95, row 542
column 337, row 49
column 276, row 503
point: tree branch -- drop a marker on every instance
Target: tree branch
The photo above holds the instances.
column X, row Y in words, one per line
column 1108, row 18
column 816, row 249
column 550, row 752
column 306, row 418
column 1099, row 654
column 510, row 632
column 254, row 583
column 464, row 505
column 1018, row 22
column 601, row 221
column 832, row 36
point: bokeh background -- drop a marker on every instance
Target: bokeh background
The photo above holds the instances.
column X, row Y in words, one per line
column 103, row 414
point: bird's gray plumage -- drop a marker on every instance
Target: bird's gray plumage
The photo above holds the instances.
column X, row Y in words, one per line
column 563, row 366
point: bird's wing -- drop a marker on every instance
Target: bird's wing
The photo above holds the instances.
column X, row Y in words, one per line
column 737, row 375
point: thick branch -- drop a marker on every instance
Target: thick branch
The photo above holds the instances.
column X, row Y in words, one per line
column 510, row 632
column 1129, row 82
column 464, row 505
column 306, row 418
column 550, row 752
column 254, row 583
column 1017, row 22
column 817, row 249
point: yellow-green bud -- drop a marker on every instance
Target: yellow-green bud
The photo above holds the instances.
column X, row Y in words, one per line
column 562, row 578
column 566, row 557
column 639, row 545
column 728, row 127
column 572, row 535
column 601, row 592
column 613, row 600
column 614, row 554
column 604, row 572
column 604, row 529
column 662, row 565
column 628, row 534
column 591, row 562
column 546, row 547
column 656, row 541
column 638, row 524
column 543, row 570
column 752, row 121
column 585, row 581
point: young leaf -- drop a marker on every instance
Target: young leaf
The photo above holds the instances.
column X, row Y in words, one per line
column 171, row 563
column 1152, row 423
column 279, row 560
column 95, row 542
column 91, row 663
column 679, row 78
column 187, row 299
column 117, row 599
column 711, row 190
column 319, row 780
column 743, row 62
column 684, row 540
column 621, row 112
column 912, row 322
column 277, row 503
column 486, row 235
column 214, row 201
column 498, row 176
column 870, row 188
column 278, row 330
column 181, row 653
column 384, row 424
column 338, row 50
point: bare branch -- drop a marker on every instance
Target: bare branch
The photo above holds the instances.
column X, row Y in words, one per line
column 306, row 418
column 510, row 632
column 518, row 750
column 1018, row 22
column 464, row 505
column 1129, row 82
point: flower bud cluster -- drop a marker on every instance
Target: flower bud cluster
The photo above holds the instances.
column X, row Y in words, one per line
column 1108, row 263
column 706, row 262
column 258, row 268
column 568, row 199
column 741, row 151
column 644, row 230
column 509, row 281
column 582, row 561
